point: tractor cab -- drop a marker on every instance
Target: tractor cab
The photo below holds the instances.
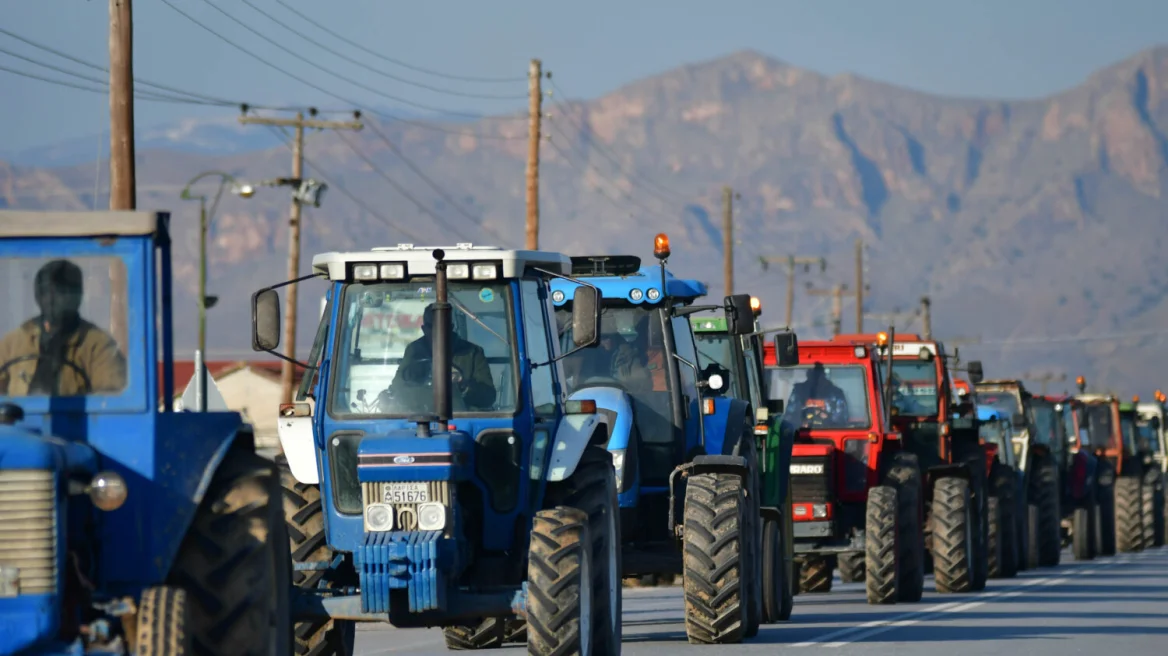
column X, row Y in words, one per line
column 1152, row 428
column 1010, row 398
column 1098, row 415
column 996, row 432
column 735, row 360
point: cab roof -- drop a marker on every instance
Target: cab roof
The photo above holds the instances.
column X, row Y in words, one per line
column 21, row 224
column 1150, row 409
column 644, row 284
column 1095, row 398
column 419, row 260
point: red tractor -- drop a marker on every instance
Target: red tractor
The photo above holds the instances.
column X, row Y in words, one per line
column 855, row 489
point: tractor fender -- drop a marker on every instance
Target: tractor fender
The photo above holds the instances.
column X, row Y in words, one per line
column 618, row 407
column 703, row 464
column 724, row 427
column 296, row 439
column 575, row 434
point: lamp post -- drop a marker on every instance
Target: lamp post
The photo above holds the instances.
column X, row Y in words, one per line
column 242, row 190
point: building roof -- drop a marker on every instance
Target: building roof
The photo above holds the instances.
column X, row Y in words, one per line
column 184, row 371
column 15, row 223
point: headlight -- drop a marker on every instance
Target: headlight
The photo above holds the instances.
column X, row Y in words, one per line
column 107, row 490
column 379, row 517
column 458, row 271
column 365, row 272
column 819, row 511
column 393, row 271
column 653, row 294
column 558, row 296
column 431, row 517
column 485, row 272
column 636, row 294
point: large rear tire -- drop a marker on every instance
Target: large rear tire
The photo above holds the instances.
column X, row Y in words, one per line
column 882, row 550
column 851, row 567
column 905, row 476
column 1045, row 537
column 1082, row 531
column 1105, row 520
column 304, row 521
column 1129, row 529
column 953, row 539
column 815, row 574
column 163, row 623
column 235, row 564
column 776, row 596
column 559, row 583
column 715, row 535
column 1004, row 530
column 1148, row 507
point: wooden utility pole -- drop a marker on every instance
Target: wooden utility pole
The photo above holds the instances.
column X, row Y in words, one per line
column 837, row 294
column 791, row 261
column 728, row 238
column 123, row 180
column 535, row 110
column 859, row 286
column 298, row 124
column 926, row 318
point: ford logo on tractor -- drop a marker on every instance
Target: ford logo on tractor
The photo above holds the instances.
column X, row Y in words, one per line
column 806, row 469
column 403, row 460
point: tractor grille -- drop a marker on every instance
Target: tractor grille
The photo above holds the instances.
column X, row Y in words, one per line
column 406, row 514
column 811, row 487
column 28, row 528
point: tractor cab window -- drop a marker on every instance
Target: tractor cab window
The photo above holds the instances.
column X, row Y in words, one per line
column 998, row 432
column 717, row 348
column 1097, row 419
column 1069, row 428
column 914, row 387
column 821, row 396
column 59, row 326
column 1045, row 423
column 1149, row 432
column 1006, row 403
column 383, row 360
column 1128, row 425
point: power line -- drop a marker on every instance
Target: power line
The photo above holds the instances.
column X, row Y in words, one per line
column 357, row 62
column 397, row 62
column 300, row 79
column 340, row 76
column 1066, row 339
column 100, row 90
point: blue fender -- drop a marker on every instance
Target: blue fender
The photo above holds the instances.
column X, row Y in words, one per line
column 615, row 401
column 724, row 427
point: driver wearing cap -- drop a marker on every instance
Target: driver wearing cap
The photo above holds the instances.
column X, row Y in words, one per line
column 470, row 373
column 58, row 353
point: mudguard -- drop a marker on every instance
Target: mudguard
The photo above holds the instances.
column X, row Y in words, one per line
column 617, row 402
column 574, row 434
column 724, row 427
column 299, row 447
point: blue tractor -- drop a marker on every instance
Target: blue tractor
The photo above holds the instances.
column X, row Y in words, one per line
column 685, row 458
column 439, row 476
column 125, row 527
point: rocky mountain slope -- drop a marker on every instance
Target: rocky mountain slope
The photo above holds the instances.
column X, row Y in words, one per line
column 1032, row 224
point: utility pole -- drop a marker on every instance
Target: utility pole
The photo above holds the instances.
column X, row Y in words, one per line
column 926, row 318
column 298, row 124
column 791, row 261
column 535, row 111
column 859, row 291
column 728, row 238
column 123, row 180
column 837, row 294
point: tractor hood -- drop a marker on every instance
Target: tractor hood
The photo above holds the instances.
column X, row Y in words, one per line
column 26, row 448
column 402, row 455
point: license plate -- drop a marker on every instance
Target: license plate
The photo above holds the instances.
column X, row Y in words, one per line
column 407, row 493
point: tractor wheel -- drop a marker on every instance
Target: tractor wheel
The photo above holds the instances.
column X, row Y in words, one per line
column 815, row 574
column 1160, row 515
column 1023, row 527
column 715, row 531
column 953, row 539
column 776, row 590
column 881, row 547
column 905, row 476
column 993, row 542
column 515, row 631
column 559, row 583
column 235, row 563
column 752, row 568
column 851, row 567
column 1004, row 524
column 487, row 634
column 1043, row 518
column 1148, row 508
column 1105, row 521
column 1082, row 531
column 592, row 489
column 304, row 521
column 163, row 623
column 1129, row 530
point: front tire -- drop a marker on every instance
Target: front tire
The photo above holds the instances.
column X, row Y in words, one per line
column 1045, row 538
column 851, row 567
column 882, row 550
column 163, row 623
column 1004, row 531
column 777, row 600
column 715, row 534
column 953, row 543
column 1082, row 532
column 559, row 583
column 1129, row 530
column 815, row 574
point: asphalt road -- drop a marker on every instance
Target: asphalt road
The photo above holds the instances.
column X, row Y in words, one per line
column 1116, row 606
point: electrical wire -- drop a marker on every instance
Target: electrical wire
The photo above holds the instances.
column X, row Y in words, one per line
column 300, row 79
column 376, row 70
column 100, row 90
column 396, row 62
column 345, row 78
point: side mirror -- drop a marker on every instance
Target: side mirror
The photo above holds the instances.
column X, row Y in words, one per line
column 975, row 373
column 585, row 316
column 265, row 320
column 1018, row 421
column 739, row 315
column 774, row 407
column 786, row 349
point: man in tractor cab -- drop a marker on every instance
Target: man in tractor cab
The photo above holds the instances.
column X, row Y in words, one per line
column 57, row 353
column 817, row 400
column 470, row 373
column 626, row 362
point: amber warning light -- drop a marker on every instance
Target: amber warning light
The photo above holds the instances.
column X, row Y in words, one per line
column 755, row 305
column 882, row 339
column 661, row 246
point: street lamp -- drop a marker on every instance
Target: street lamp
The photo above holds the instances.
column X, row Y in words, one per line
column 243, row 190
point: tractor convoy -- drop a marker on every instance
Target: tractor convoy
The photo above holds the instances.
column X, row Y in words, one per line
column 490, row 441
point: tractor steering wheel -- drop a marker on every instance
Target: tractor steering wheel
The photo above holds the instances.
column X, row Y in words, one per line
column 86, row 386
column 815, row 417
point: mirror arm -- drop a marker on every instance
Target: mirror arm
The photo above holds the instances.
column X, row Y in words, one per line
column 294, row 361
column 686, row 310
column 293, row 281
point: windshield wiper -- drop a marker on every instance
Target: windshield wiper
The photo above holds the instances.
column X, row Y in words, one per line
column 462, row 308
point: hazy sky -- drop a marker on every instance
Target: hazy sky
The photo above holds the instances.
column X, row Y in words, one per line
column 1000, row 48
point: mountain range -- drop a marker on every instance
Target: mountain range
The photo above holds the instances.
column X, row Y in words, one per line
column 1035, row 226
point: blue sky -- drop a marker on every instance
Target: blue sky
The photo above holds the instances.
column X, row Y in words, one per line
column 995, row 48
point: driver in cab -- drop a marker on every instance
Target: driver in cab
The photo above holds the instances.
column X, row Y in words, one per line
column 470, row 373
column 58, row 353
column 818, row 396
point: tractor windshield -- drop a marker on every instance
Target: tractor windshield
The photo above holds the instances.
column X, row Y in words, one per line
column 1096, row 417
column 1127, row 423
column 717, row 348
column 1044, row 423
column 1005, row 402
column 383, row 362
column 997, row 432
column 914, row 387
column 1149, row 430
column 822, row 396
column 60, row 326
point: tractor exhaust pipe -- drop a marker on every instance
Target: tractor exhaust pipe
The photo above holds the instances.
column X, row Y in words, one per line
column 888, row 380
column 441, row 344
